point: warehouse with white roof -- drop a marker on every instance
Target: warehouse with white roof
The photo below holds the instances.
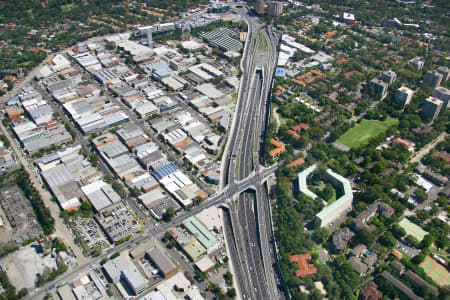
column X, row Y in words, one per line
column 100, row 194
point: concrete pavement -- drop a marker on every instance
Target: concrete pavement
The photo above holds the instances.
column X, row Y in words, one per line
column 241, row 156
column 425, row 150
column 61, row 229
column 249, row 238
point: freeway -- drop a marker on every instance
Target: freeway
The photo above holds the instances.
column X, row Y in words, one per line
column 248, row 231
column 223, row 198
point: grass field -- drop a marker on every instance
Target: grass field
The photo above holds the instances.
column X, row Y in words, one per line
column 436, row 271
column 30, row 13
column 68, row 7
column 364, row 131
column 413, row 229
column 428, row 265
column 262, row 42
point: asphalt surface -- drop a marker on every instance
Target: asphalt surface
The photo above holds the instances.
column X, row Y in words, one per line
column 248, row 233
column 223, row 198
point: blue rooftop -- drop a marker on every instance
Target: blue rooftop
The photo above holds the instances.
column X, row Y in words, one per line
column 164, row 171
column 280, row 72
column 13, row 100
column 167, row 106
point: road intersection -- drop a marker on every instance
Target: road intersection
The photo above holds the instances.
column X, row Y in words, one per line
column 244, row 194
column 249, row 234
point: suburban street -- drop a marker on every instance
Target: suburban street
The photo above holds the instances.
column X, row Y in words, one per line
column 243, row 194
column 425, row 150
column 61, row 229
column 224, row 199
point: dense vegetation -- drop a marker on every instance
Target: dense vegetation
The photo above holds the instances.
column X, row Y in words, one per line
column 33, row 27
column 9, row 292
column 50, row 274
column 43, row 215
column 338, row 278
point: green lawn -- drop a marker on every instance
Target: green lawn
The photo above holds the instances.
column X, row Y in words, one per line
column 30, row 13
column 446, row 281
column 234, row 96
column 428, row 266
column 68, row 7
column 413, row 229
column 439, row 275
column 364, row 131
column 262, row 42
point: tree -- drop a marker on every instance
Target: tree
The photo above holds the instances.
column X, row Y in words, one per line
column 199, row 275
column 419, row 258
column 423, row 291
column 70, row 130
column 413, row 240
column 427, row 241
column 388, row 240
column 96, row 251
column 228, row 278
column 423, row 214
column 231, row 293
column 442, row 201
column 366, row 237
column 59, row 245
column 22, row 293
column 134, row 192
column 294, row 282
column 198, row 200
column 42, row 212
column 320, row 235
column 420, row 195
column 93, row 159
column 169, row 214
column 86, row 210
column 329, row 193
column 108, row 178
column 398, row 231
column 84, row 152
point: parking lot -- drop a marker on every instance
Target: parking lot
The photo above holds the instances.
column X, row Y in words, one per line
column 150, row 271
column 118, row 222
column 90, row 233
column 411, row 252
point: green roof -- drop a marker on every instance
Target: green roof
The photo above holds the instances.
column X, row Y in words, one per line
column 338, row 179
column 194, row 249
column 342, row 201
column 202, row 234
column 303, row 185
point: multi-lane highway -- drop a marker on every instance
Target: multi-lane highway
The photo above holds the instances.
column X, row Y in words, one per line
column 223, row 198
column 248, row 230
